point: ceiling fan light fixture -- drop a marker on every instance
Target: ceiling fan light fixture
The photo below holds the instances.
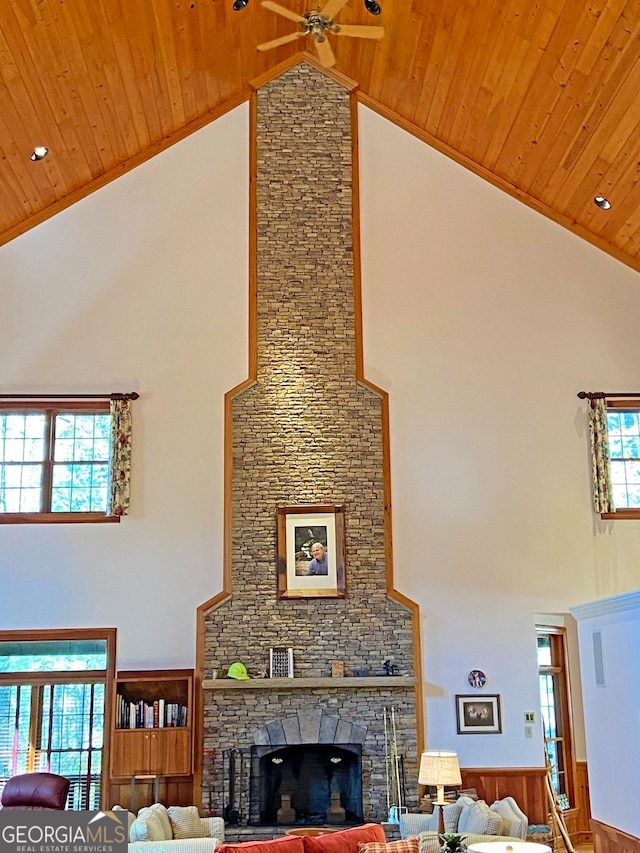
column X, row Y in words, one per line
column 39, row 153
column 602, row 202
column 372, row 7
column 240, row 4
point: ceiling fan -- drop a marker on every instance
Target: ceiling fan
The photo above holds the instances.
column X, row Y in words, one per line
column 318, row 23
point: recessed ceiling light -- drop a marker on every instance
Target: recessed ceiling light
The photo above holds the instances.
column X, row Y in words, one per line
column 372, row 6
column 39, row 153
column 602, row 202
column 239, row 4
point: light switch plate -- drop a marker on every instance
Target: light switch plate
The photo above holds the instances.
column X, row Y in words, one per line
column 529, row 716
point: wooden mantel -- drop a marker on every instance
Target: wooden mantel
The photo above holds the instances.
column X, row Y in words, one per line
column 381, row 682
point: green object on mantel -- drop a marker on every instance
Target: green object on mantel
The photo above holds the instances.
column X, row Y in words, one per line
column 380, row 682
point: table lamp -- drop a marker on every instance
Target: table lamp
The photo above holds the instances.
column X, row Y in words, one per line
column 439, row 768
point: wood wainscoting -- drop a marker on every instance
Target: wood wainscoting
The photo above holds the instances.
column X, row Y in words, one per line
column 524, row 784
column 606, row 839
column 583, row 805
column 172, row 791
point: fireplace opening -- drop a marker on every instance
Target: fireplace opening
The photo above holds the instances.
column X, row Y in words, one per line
column 306, row 784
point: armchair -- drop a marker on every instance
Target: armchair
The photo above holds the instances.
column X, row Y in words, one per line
column 35, row 791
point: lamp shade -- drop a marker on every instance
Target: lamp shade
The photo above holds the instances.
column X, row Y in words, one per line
column 439, row 768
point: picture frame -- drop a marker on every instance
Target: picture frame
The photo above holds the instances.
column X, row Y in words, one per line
column 301, row 528
column 478, row 715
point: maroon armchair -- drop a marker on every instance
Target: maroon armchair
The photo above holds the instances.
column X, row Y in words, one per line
column 35, row 791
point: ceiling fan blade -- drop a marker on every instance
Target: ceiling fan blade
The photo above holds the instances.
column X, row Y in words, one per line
column 325, row 53
column 332, row 7
column 267, row 45
column 358, row 31
column 281, row 10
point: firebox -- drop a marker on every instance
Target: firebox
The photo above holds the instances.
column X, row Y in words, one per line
column 306, row 784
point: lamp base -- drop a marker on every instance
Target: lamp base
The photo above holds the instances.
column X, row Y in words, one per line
column 441, row 803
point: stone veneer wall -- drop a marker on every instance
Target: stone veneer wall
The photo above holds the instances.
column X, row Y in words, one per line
column 307, row 432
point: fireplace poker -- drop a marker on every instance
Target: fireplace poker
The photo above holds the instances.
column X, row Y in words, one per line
column 241, row 797
column 231, row 812
column 387, row 759
column 396, row 757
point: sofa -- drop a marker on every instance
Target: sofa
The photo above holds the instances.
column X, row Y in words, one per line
column 368, row 838
column 176, row 829
column 474, row 820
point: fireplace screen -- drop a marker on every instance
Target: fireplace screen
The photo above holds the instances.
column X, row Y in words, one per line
column 306, row 784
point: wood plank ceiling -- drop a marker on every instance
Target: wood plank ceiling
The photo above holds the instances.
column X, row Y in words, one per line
column 538, row 96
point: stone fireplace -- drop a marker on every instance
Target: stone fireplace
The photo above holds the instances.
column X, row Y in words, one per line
column 307, row 428
column 312, row 784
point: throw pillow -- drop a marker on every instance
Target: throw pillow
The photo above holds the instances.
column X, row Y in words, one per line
column 406, row 845
column 146, row 828
column 131, row 815
column 413, row 823
column 482, row 821
column 511, row 813
column 346, row 840
column 452, row 814
column 466, row 804
column 185, row 821
column 163, row 815
column 429, row 842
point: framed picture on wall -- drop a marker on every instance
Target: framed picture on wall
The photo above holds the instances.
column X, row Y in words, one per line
column 478, row 715
column 310, row 558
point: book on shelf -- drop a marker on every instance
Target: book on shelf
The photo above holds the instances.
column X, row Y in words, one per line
column 156, row 714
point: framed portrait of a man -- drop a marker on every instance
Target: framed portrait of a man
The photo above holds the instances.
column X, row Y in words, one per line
column 310, row 544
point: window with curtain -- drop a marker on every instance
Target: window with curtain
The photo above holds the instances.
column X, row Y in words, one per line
column 52, row 707
column 64, row 461
column 556, row 711
column 623, row 442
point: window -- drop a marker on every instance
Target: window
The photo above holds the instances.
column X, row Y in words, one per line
column 57, row 459
column 53, row 687
column 555, row 708
column 623, row 427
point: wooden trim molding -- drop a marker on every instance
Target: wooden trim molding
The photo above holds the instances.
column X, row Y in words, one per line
column 608, row 839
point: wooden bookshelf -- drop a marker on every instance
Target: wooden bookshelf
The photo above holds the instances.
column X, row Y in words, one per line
column 145, row 756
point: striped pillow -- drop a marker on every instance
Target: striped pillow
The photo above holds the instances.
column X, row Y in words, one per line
column 185, row 822
column 405, row 845
column 146, row 828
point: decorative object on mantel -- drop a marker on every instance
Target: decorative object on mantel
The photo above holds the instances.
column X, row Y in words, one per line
column 238, row 671
column 390, row 668
column 280, row 662
column 478, row 715
column 310, row 558
column 439, row 768
column 477, row 678
column 337, row 669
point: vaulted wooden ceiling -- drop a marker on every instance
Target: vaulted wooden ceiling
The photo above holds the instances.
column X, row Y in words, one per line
column 541, row 97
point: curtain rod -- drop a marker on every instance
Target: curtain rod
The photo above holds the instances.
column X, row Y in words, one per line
column 601, row 395
column 133, row 395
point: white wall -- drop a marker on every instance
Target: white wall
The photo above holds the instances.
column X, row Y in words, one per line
column 141, row 286
column 483, row 319
column 612, row 718
column 477, row 319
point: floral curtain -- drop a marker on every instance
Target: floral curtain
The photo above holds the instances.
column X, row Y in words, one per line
column 601, row 474
column 120, row 457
